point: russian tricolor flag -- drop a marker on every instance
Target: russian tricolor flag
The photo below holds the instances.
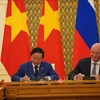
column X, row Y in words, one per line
column 86, row 31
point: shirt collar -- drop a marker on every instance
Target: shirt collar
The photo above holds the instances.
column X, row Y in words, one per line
column 34, row 65
column 92, row 62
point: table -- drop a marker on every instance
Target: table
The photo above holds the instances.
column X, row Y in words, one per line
column 53, row 90
column 2, row 90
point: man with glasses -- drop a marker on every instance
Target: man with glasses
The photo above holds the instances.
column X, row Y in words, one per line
column 88, row 67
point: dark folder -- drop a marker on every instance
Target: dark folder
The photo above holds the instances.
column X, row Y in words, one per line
column 88, row 78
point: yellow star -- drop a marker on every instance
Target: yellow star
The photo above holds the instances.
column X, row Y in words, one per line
column 49, row 20
column 17, row 21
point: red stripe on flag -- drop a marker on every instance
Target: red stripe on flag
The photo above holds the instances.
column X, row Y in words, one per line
column 81, row 50
column 52, row 45
column 15, row 50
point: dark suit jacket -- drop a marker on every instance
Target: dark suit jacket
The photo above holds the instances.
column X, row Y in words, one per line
column 45, row 69
column 83, row 67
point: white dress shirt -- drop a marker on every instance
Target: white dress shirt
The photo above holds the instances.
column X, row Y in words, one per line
column 97, row 67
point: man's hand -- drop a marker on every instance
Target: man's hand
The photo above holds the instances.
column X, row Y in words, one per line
column 97, row 77
column 80, row 76
column 25, row 78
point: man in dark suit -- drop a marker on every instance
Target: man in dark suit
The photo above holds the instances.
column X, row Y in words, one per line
column 88, row 67
column 36, row 69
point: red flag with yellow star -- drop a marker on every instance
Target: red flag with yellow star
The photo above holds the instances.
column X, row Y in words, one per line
column 16, row 41
column 49, row 37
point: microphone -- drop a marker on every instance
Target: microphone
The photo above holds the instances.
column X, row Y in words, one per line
column 45, row 78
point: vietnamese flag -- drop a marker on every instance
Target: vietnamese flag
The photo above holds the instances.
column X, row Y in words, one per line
column 49, row 36
column 16, row 41
column 86, row 31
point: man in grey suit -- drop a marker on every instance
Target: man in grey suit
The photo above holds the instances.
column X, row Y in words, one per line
column 88, row 67
column 36, row 69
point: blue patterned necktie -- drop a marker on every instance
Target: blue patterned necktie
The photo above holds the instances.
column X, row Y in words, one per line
column 94, row 69
column 36, row 73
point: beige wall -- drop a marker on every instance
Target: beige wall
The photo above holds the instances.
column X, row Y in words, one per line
column 3, row 73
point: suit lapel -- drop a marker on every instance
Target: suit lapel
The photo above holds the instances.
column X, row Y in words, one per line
column 89, row 66
column 99, row 69
column 31, row 71
column 41, row 70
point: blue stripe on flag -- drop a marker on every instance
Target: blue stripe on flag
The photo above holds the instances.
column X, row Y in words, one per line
column 86, row 23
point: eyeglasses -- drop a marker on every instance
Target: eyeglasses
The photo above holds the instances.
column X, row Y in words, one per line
column 96, row 53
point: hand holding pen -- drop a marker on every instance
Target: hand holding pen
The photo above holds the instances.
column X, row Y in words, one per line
column 25, row 78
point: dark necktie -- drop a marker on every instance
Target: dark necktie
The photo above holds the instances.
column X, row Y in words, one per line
column 94, row 69
column 36, row 73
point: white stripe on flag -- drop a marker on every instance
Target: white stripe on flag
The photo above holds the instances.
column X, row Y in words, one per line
column 3, row 6
column 91, row 3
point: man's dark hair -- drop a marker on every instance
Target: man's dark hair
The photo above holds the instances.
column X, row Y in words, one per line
column 37, row 50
